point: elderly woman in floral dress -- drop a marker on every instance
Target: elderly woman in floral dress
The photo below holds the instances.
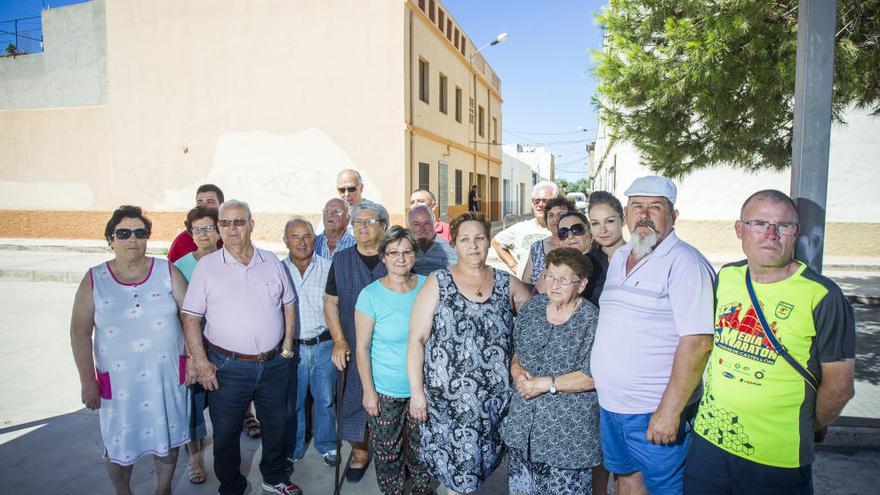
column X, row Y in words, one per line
column 134, row 371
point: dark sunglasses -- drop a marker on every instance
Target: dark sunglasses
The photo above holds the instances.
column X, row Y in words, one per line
column 238, row 222
column 123, row 234
column 577, row 229
column 347, row 189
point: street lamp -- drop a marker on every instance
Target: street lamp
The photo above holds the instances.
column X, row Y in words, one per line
column 501, row 38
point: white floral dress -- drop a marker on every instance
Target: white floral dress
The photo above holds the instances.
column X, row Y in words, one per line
column 139, row 358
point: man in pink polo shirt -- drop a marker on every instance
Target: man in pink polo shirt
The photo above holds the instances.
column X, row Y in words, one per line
column 247, row 301
column 652, row 342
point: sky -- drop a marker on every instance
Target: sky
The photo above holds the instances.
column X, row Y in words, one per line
column 545, row 67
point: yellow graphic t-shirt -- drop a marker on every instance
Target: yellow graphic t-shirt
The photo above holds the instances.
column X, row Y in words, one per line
column 755, row 404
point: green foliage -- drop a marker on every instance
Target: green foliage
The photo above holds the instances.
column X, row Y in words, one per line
column 11, row 50
column 582, row 185
column 696, row 83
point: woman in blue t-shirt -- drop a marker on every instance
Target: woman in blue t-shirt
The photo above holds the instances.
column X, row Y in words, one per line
column 382, row 326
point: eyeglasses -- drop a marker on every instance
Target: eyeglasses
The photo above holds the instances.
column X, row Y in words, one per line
column 238, row 222
column 337, row 212
column 762, row 226
column 408, row 253
column 539, row 201
column 204, row 229
column 123, row 234
column 365, row 222
column 563, row 281
column 350, row 189
column 577, row 229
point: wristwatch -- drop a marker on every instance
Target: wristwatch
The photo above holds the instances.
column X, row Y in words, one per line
column 287, row 353
column 553, row 385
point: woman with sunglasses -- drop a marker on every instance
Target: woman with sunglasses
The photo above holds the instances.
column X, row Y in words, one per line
column 134, row 370
column 552, row 427
column 381, row 321
column 572, row 232
column 554, row 210
column 201, row 223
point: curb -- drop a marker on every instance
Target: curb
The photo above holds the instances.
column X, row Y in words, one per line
column 853, row 433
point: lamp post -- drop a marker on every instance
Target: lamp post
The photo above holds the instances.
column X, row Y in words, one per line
column 472, row 114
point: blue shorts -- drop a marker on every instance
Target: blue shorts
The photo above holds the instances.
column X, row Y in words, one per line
column 626, row 450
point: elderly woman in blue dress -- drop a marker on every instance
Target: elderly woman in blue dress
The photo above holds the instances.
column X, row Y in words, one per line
column 134, row 370
column 552, row 427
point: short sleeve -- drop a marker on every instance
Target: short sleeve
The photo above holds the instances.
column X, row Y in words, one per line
column 195, row 302
column 835, row 327
column 288, row 293
column 330, row 288
column 590, row 322
column 507, row 236
column 692, row 295
column 365, row 303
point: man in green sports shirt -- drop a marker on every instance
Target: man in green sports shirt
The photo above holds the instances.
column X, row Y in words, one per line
column 756, row 421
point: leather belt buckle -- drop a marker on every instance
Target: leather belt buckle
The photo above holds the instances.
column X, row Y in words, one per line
column 263, row 356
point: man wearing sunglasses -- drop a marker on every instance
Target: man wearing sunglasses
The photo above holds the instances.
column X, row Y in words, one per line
column 209, row 196
column 350, row 186
column 653, row 338
column 512, row 244
column 246, row 297
column 756, row 421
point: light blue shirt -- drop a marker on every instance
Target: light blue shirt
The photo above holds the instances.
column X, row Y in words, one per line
column 310, row 291
column 439, row 255
column 322, row 249
column 390, row 313
column 186, row 265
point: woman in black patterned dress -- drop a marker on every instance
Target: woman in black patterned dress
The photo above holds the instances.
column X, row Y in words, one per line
column 458, row 360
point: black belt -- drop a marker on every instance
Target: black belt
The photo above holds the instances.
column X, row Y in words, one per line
column 324, row 337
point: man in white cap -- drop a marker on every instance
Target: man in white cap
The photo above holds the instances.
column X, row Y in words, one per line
column 653, row 339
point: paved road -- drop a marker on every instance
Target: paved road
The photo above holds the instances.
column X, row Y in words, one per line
column 50, row 444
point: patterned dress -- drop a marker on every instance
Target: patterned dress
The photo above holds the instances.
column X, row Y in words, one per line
column 139, row 358
column 538, row 255
column 467, row 383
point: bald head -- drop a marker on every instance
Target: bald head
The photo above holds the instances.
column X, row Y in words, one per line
column 771, row 196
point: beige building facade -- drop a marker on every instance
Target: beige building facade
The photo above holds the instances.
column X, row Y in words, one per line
column 140, row 101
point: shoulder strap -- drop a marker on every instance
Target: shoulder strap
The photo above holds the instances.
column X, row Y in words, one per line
column 780, row 349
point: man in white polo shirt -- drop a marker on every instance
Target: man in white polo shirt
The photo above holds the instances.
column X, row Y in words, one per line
column 653, row 339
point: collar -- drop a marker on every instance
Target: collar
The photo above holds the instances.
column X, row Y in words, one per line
column 228, row 259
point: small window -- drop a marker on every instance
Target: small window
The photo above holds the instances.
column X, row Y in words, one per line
column 448, row 29
column 422, row 5
column 458, row 187
column 494, row 130
column 441, row 19
column 455, row 37
column 443, row 95
column 424, row 176
column 481, row 119
column 457, row 104
column 463, row 45
column 424, row 68
column 431, row 10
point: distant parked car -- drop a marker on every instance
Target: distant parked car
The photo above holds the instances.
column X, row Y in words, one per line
column 580, row 200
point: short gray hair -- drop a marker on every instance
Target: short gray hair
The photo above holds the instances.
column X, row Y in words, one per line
column 546, row 184
column 353, row 171
column 229, row 203
column 345, row 204
column 419, row 207
column 298, row 219
column 379, row 210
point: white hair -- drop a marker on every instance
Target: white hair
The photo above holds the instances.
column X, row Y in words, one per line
column 298, row 219
column 546, row 184
column 229, row 203
column 419, row 207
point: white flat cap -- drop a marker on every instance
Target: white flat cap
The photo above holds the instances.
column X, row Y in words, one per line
column 653, row 185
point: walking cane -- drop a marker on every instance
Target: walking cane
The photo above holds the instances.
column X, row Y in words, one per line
column 337, row 480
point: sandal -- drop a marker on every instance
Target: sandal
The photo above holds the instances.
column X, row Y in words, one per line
column 195, row 470
column 252, row 427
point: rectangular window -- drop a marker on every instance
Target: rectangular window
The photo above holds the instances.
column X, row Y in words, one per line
column 444, row 107
column 458, row 187
column 481, row 119
column 494, row 130
column 448, row 29
column 422, row 5
column 463, row 45
column 424, row 176
column 455, row 37
column 424, row 68
column 457, row 104
column 441, row 19
column 431, row 10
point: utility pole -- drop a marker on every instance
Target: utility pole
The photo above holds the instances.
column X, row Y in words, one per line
column 812, row 125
